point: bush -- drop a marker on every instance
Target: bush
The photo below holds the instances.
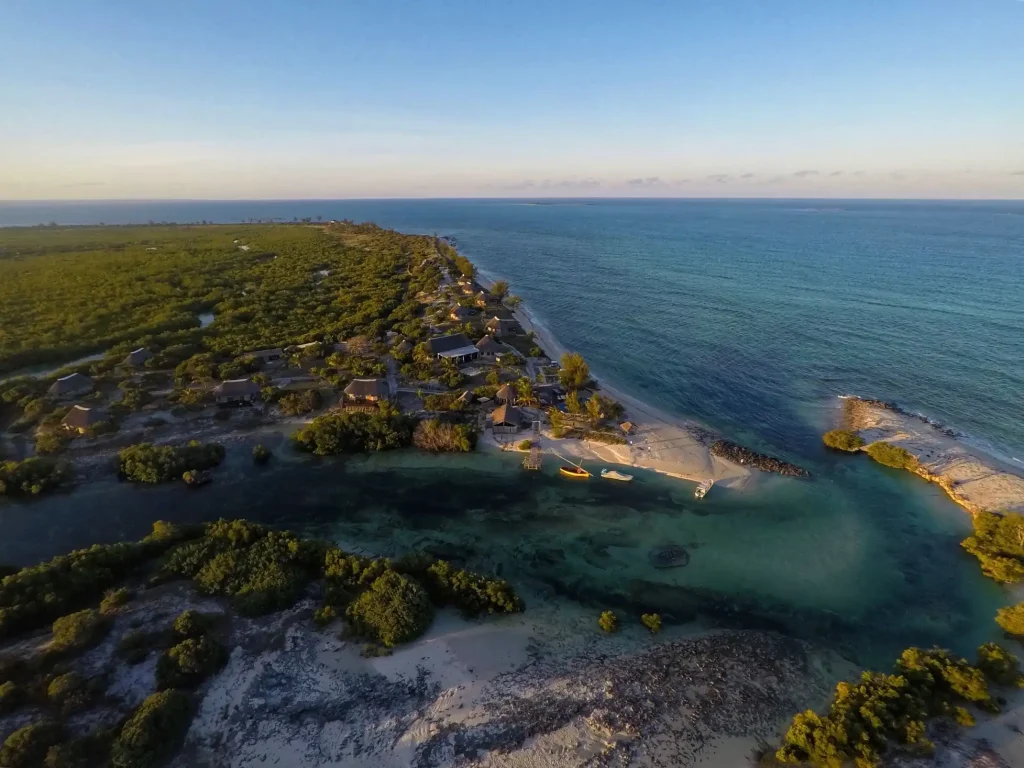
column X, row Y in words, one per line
column 395, row 609
column 1011, row 619
column 87, row 752
column 999, row 665
column 27, row 747
column 189, row 663
column 11, row 697
column 608, row 621
column 296, row 403
column 261, row 454
column 135, row 647
column 324, row 615
column 154, row 732
column 892, row 455
column 355, row 432
column 470, row 592
column 525, row 445
column 448, row 401
column 147, row 463
column 843, row 440
column 69, row 693
column 32, row 477
column 114, row 600
column 190, row 625
column 998, row 543
column 438, row 437
column 652, row 621
column 79, row 630
column 52, row 442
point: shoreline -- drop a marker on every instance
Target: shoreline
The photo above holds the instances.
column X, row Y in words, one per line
column 972, row 478
column 667, row 444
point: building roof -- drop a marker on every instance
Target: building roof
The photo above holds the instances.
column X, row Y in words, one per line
column 265, row 354
column 506, row 414
column 367, row 388
column 237, row 388
column 500, row 322
column 73, row 382
column 403, row 346
column 439, row 345
column 507, row 392
column 488, row 346
column 81, row 417
column 461, row 313
column 137, row 357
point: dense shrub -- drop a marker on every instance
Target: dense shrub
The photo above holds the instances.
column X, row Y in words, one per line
column 79, row 630
column 608, row 621
column 261, row 454
column 1011, row 619
column 652, row 621
column 574, row 373
column 114, row 600
column 296, row 403
column 70, row 692
column 355, row 432
column 395, row 609
column 438, row 436
column 191, row 624
column 324, row 615
column 999, row 665
column 27, row 747
column 447, row 401
column 867, row 718
column 11, row 697
column 470, row 592
column 52, row 442
column 189, row 663
column 148, row 463
column 998, row 543
column 88, row 751
column 843, row 440
column 263, row 570
column 32, row 477
column 154, row 732
column 891, row 455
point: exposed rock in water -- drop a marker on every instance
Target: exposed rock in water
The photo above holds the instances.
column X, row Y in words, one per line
column 669, row 556
column 740, row 455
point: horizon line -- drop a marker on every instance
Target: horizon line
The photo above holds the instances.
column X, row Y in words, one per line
column 737, row 198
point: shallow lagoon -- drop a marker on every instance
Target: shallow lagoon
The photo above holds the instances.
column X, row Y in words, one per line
column 864, row 560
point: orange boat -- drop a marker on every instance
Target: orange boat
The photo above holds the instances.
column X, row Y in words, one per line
column 578, row 472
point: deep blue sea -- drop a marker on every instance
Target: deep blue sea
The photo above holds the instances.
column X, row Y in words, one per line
column 750, row 316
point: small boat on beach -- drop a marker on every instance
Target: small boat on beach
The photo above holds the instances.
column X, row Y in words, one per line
column 573, row 471
column 611, row 474
column 703, row 488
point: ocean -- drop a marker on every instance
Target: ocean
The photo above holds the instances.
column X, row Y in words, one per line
column 749, row 316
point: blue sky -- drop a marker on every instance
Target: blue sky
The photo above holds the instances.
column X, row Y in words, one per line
column 439, row 98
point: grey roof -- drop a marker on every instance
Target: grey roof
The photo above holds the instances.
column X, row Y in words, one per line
column 73, row 382
column 367, row 388
column 81, row 417
column 500, row 322
column 137, row 357
column 264, row 354
column 440, row 344
column 506, row 414
column 237, row 388
column 488, row 346
column 462, row 313
column 403, row 346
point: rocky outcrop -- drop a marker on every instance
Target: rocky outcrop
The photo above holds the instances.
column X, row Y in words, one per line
column 748, row 458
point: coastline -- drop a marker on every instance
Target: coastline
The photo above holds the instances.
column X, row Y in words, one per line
column 662, row 443
column 974, row 479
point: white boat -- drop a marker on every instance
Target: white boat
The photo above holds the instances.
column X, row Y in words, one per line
column 611, row 474
column 703, row 488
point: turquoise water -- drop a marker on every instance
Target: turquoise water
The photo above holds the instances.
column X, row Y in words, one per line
column 749, row 316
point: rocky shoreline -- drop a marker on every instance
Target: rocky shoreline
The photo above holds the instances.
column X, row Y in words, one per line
column 736, row 453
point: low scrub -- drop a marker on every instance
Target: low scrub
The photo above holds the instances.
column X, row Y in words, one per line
column 892, row 455
column 33, row 477
column 608, row 622
column 843, row 440
column 395, row 609
column 154, row 732
column 189, row 663
column 441, row 437
column 355, row 432
column 78, row 631
column 148, row 463
column 27, row 747
column 998, row 543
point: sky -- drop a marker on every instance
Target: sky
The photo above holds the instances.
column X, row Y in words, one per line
column 208, row 99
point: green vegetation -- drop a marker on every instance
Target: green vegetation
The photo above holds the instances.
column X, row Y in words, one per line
column 892, row 455
column 135, row 647
column 297, row 403
column 470, row 592
column 886, row 712
column 446, row 401
column 1011, row 619
column 115, row 600
column 189, row 663
column 843, row 440
column 998, row 543
column 79, row 630
column 525, row 445
column 999, row 665
column 575, row 373
column 395, row 609
column 190, row 625
column 608, row 621
column 439, row 437
column 355, row 432
column 499, row 289
column 261, row 454
column 652, row 621
column 27, row 747
column 11, row 697
column 148, row 463
column 154, row 732
column 75, row 290
column 32, row 477
column 324, row 615
column 70, row 693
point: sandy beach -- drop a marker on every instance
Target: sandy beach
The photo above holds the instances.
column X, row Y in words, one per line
column 973, row 479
